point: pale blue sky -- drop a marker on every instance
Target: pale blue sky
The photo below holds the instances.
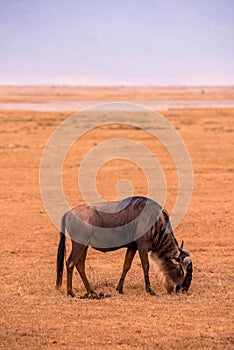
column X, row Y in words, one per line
column 115, row 42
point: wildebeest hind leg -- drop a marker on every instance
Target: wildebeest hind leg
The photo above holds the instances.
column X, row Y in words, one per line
column 70, row 267
column 130, row 253
column 80, row 265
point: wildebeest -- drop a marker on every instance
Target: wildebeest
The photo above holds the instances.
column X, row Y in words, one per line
column 135, row 223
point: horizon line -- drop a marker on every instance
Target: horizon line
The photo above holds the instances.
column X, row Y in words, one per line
column 122, row 85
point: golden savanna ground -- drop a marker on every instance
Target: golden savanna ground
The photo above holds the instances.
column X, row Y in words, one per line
column 36, row 316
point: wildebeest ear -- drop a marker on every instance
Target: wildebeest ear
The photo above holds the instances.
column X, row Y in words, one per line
column 182, row 245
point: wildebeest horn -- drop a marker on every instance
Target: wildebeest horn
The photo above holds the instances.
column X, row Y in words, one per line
column 182, row 244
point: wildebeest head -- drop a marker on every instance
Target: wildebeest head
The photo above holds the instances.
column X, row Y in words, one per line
column 184, row 258
column 186, row 263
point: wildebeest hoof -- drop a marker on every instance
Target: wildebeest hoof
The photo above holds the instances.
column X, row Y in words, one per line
column 71, row 294
column 151, row 292
column 93, row 295
column 120, row 290
column 85, row 296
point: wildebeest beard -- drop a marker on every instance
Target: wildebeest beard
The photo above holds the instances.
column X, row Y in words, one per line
column 173, row 276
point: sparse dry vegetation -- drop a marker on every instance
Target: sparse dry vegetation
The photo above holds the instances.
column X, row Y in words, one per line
column 36, row 316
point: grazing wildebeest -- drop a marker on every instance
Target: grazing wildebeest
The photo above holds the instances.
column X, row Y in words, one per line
column 136, row 223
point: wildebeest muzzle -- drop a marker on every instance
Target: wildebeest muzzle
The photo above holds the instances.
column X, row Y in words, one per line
column 185, row 260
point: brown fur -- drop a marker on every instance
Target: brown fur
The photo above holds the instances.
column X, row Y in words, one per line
column 157, row 239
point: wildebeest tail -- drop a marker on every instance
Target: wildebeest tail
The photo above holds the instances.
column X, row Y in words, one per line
column 61, row 253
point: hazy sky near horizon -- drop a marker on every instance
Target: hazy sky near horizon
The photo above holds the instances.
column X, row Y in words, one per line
column 180, row 42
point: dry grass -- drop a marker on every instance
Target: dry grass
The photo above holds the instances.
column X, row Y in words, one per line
column 35, row 316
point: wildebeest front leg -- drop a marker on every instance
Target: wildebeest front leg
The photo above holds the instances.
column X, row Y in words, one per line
column 143, row 252
column 130, row 253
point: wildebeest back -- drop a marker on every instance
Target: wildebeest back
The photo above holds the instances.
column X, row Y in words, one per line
column 112, row 224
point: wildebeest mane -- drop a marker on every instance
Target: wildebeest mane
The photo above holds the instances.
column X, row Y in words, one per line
column 164, row 243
